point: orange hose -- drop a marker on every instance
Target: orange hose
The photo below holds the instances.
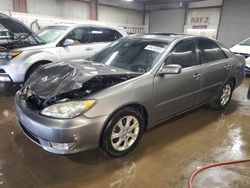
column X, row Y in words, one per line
column 190, row 181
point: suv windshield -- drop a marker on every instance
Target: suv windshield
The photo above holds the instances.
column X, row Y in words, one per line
column 51, row 33
column 132, row 54
column 246, row 42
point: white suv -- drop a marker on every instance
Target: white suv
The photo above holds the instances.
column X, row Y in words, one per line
column 243, row 49
column 25, row 51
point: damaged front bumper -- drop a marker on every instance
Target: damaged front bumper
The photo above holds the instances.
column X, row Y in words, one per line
column 60, row 136
column 5, row 78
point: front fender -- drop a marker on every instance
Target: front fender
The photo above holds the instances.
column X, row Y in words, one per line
column 26, row 59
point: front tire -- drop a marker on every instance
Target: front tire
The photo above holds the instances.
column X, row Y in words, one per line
column 224, row 97
column 123, row 132
column 33, row 68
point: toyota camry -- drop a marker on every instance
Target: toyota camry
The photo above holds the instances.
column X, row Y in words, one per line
column 112, row 98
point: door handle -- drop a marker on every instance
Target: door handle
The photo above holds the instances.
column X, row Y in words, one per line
column 88, row 49
column 227, row 66
column 197, row 76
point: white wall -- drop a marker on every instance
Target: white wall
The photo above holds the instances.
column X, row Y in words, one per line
column 60, row 8
column 116, row 12
column 119, row 15
column 235, row 22
column 123, row 4
column 168, row 21
column 170, row 17
column 207, row 3
column 6, row 5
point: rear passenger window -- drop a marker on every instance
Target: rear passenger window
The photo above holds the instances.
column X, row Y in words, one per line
column 104, row 35
column 210, row 51
column 184, row 54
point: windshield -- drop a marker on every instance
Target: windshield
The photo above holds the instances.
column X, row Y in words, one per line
column 246, row 42
column 51, row 33
column 137, row 55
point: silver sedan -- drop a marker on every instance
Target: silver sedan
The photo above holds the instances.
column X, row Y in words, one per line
column 129, row 87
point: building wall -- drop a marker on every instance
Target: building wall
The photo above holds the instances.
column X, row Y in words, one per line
column 119, row 15
column 59, row 8
column 6, row 5
column 168, row 21
column 123, row 4
column 116, row 11
column 235, row 22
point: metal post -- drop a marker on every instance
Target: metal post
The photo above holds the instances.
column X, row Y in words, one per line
column 93, row 9
column 20, row 5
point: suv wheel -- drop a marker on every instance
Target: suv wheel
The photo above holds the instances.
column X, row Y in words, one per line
column 32, row 69
column 123, row 132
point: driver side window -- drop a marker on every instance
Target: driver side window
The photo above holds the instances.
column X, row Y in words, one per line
column 79, row 35
column 184, row 54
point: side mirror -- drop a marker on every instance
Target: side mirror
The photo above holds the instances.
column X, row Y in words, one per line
column 68, row 42
column 171, row 69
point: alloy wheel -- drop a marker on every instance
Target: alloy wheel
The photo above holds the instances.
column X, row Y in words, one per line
column 226, row 94
column 125, row 133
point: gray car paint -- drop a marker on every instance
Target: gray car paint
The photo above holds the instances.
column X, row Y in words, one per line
column 161, row 97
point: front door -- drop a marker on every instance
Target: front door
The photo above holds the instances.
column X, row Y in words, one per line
column 178, row 92
column 82, row 47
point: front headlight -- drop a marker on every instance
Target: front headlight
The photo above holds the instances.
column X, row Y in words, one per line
column 67, row 110
column 9, row 55
column 13, row 54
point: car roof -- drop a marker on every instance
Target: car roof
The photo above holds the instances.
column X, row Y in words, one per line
column 73, row 25
column 169, row 37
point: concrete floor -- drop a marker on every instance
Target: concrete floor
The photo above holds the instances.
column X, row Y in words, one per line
column 165, row 157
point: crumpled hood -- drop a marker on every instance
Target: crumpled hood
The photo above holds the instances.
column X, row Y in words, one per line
column 59, row 78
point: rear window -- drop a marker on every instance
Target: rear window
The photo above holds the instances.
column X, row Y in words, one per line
column 210, row 51
column 226, row 50
column 104, row 35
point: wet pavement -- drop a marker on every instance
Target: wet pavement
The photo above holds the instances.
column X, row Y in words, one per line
column 165, row 157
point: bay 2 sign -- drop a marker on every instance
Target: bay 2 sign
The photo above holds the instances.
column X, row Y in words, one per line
column 203, row 22
column 200, row 20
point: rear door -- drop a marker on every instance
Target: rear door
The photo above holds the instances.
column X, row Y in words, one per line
column 215, row 67
column 101, row 37
column 178, row 92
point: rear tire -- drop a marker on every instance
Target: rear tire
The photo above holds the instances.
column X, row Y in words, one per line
column 224, row 96
column 123, row 132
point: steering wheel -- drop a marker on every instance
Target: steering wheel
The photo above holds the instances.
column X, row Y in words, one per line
column 138, row 68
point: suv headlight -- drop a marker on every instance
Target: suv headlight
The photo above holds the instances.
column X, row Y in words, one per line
column 9, row 55
column 67, row 110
